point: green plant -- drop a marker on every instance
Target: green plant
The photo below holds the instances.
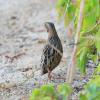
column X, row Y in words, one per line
column 90, row 31
column 49, row 92
column 89, row 39
column 92, row 89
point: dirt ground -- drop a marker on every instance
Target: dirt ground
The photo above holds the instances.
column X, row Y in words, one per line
column 22, row 38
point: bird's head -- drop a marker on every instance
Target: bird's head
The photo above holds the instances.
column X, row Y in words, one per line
column 50, row 28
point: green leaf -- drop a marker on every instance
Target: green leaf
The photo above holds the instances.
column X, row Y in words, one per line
column 92, row 89
column 64, row 89
column 61, row 3
column 91, row 14
column 47, row 98
column 35, row 94
column 97, row 40
column 68, row 8
column 82, row 59
column 97, row 70
column 48, row 90
column 82, row 97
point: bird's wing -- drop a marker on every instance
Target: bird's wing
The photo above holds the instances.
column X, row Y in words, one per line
column 47, row 56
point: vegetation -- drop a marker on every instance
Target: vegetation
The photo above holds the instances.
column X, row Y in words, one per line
column 92, row 89
column 48, row 92
column 88, row 48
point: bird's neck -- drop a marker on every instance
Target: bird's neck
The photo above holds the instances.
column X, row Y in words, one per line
column 52, row 34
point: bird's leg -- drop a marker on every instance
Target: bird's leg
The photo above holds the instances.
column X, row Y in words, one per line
column 49, row 75
column 53, row 76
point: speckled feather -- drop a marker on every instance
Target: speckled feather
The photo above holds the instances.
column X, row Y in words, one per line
column 50, row 57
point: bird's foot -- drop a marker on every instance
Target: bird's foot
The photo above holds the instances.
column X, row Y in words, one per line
column 57, row 77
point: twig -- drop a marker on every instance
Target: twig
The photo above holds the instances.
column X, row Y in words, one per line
column 14, row 57
column 71, row 67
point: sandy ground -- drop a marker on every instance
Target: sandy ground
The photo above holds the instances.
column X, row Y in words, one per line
column 22, row 38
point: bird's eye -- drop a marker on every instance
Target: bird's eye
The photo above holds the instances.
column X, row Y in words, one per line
column 47, row 30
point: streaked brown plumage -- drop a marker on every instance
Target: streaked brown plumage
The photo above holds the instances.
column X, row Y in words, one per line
column 52, row 52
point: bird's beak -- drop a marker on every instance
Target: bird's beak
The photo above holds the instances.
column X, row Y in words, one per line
column 45, row 29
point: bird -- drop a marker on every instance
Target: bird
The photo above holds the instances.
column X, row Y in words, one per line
column 52, row 51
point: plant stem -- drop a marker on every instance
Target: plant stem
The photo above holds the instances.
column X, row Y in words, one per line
column 72, row 67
